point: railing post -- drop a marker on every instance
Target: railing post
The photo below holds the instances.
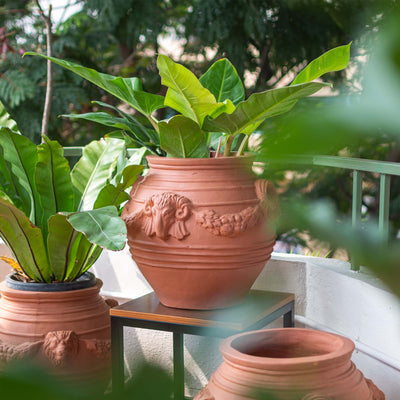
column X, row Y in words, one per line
column 384, row 200
column 356, row 207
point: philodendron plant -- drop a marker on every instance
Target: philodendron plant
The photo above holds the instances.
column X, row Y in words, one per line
column 205, row 108
column 56, row 221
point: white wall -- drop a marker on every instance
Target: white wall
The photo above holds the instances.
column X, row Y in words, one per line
column 328, row 297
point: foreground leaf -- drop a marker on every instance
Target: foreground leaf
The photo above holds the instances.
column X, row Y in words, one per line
column 333, row 60
column 94, row 168
column 182, row 137
column 223, row 81
column 125, row 89
column 259, row 106
column 102, row 226
column 25, row 241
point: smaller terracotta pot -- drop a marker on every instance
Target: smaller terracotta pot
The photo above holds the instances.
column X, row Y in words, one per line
column 290, row 364
column 65, row 327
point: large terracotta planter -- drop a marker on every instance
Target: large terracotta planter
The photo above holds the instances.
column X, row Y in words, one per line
column 197, row 229
column 291, row 364
column 66, row 331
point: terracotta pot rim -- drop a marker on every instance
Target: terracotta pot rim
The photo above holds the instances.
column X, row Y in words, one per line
column 85, row 281
column 341, row 353
column 156, row 161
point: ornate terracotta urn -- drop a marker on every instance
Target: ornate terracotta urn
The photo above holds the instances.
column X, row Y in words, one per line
column 289, row 364
column 65, row 331
column 198, row 229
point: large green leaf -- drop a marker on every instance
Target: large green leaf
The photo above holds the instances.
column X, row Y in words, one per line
column 185, row 92
column 259, row 106
column 222, row 80
column 138, row 129
column 8, row 184
column 125, row 89
column 102, row 226
column 21, row 155
column 25, row 241
column 333, row 60
column 182, row 137
column 115, row 194
column 53, row 181
column 94, row 169
column 68, row 249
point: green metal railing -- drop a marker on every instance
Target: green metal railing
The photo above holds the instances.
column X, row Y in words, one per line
column 358, row 166
column 383, row 168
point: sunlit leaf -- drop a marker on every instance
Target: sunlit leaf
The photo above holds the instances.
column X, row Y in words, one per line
column 93, row 169
column 185, row 92
column 259, row 106
column 333, row 60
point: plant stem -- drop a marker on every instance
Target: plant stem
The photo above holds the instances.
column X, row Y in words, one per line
column 228, row 146
column 242, row 146
column 219, row 147
column 49, row 86
column 154, row 123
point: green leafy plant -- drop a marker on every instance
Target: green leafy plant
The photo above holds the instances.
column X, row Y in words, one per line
column 209, row 107
column 57, row 221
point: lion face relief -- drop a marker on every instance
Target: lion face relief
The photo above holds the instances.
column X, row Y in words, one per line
column 59, row 345
column 165, row 215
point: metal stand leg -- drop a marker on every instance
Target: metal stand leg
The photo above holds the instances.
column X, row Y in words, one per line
column 117, row 354
column 179, row 367
column 288, row 318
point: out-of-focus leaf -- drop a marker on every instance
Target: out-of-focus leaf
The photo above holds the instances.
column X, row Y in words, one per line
column 102, row 226
column 182, row 137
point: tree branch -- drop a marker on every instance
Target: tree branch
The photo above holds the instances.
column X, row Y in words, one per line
column 49, row 86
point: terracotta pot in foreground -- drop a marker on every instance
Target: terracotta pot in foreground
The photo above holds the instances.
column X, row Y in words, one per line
column 290, row 364
column 197, row 229
column 67, row 332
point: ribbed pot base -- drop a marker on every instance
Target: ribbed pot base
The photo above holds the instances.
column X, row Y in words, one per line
column 289, row 364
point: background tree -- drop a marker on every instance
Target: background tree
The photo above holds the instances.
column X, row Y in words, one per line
column 265, row 39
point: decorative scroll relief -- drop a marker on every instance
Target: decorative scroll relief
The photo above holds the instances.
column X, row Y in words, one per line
column 236, row 223
column 312, row 396
column 57, row 346
column 164, row 215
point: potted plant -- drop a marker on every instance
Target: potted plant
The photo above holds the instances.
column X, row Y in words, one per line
column 197, row 222
column 56, row 222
